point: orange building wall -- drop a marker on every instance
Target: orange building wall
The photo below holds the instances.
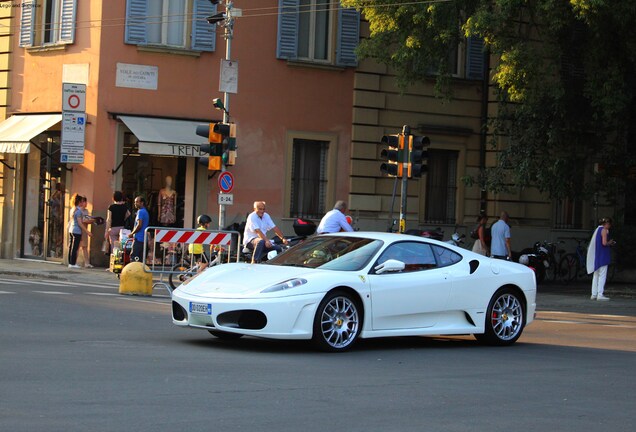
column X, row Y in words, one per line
column 272, row 98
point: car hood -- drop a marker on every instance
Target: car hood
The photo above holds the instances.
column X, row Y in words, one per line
column 241, row 280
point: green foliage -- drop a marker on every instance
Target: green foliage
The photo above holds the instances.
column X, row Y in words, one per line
column 565, row 74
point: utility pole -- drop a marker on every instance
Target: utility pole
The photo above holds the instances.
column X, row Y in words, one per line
column 406, row 133
column 228, row 35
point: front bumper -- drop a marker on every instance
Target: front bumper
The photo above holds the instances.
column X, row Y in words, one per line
column 288, row 317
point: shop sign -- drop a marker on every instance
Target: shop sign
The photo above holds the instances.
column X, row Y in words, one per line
column 179, row 150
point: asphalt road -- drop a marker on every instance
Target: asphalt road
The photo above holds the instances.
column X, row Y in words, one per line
column 83, row 358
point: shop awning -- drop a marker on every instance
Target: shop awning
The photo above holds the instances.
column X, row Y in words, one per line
column 17, row 131
column 169, row 137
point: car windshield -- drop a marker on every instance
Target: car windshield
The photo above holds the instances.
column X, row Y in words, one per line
column 330, row 253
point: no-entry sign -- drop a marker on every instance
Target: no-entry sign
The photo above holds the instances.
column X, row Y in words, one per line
column 74, row 97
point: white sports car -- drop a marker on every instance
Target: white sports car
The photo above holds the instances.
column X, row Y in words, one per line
column 336, row 288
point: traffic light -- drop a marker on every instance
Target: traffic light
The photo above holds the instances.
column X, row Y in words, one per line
column 229, row 154
column 394, row 155
column 214, row 147
column 417, row 155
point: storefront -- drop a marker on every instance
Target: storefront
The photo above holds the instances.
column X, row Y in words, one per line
column 31, row 144
column 159, row 160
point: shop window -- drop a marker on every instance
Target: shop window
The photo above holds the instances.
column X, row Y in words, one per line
column 306, row 29
column 441, row 187
column 50, row 22
column 309, row 178
column 167, row 23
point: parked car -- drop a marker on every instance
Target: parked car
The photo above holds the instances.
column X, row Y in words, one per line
column 334, row 289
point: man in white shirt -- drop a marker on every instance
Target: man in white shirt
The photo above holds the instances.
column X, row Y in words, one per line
column 255, row 235
column 335, row 220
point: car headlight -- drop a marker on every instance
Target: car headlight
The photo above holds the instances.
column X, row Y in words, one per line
column 288, row 284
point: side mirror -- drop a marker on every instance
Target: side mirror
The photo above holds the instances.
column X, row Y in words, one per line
column 390, row 266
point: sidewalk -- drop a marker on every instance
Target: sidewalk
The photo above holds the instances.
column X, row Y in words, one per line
column 555, row 296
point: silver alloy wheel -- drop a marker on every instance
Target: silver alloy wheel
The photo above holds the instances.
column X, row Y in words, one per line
column 506, row 317
column 339, row 322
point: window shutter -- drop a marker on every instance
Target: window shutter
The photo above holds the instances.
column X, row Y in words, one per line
column 203, row 33
column 474, row 58
column 348, row 37
column 67, row 21
column 287, row 47
column 26, row 24
column 136, row 14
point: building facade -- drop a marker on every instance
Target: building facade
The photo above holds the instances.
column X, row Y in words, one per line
column 151, row 70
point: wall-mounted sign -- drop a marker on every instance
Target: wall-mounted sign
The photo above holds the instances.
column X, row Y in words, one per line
column 137, row 76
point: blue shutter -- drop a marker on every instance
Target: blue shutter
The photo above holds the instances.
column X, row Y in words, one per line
column 136, row 14
column 348, row 37
column 67, row 21
column 474, row 58
column 287, row 47
column 26, row 24
column 203, row 33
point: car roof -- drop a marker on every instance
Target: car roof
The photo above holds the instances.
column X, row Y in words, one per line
column 384, row 236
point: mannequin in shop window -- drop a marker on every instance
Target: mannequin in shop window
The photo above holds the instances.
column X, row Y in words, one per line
column 167, row 203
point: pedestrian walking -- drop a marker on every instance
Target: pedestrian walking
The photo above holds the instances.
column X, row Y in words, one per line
column 500, row 243
column 598, row 258
column 481, row 242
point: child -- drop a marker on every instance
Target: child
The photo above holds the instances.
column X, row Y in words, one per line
column 195, row 249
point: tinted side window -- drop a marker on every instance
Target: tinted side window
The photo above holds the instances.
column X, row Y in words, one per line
column 446, row 257
column 415, row 255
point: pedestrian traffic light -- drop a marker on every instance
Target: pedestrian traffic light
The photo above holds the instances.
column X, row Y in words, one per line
column 214, row 147
column 417, row 155
column 393, row 154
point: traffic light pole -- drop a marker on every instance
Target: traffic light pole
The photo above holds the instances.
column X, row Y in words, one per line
column 228, row 35
column 406, row 132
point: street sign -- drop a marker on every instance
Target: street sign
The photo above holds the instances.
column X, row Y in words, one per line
column 73, row 133
column 73, row 97
column 226, row 182
column 226, row 199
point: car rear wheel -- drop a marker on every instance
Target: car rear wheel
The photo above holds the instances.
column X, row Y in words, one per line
column 225, row 335
column 337, row 322
column 505, row 318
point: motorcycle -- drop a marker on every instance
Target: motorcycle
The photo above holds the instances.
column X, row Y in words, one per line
column 456, row 239
column 530, row 259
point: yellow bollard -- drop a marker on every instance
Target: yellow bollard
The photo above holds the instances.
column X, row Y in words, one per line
column 135, row 281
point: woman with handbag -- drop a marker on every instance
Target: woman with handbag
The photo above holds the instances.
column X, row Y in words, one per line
column 479, row 234
column 116, row 217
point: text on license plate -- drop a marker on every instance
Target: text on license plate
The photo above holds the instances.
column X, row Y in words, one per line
column 201, row 308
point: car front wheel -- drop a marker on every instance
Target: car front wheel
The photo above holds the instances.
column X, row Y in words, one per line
column 505, row 318
column 337, row 322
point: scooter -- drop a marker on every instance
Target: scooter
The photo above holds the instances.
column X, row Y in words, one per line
column 457, row 239
column 532, row 260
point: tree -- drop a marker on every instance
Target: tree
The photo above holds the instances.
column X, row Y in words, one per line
column 565, row 74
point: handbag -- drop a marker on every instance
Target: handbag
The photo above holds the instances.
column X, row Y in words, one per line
column 106, row 247
column 474, row 234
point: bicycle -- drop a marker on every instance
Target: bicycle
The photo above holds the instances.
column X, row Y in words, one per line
column 185, row 270
column 573, row 265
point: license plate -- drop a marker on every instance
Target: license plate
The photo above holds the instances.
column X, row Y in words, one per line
column 201, row 308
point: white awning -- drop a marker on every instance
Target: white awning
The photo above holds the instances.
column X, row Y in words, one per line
column 17, row 131
column 166, row 136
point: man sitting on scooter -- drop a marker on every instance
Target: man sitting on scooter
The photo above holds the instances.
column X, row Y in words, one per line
column 255, row 236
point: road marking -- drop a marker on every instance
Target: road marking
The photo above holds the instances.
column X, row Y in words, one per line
column 53, row 292
column 7, row 292
column 102, row 294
